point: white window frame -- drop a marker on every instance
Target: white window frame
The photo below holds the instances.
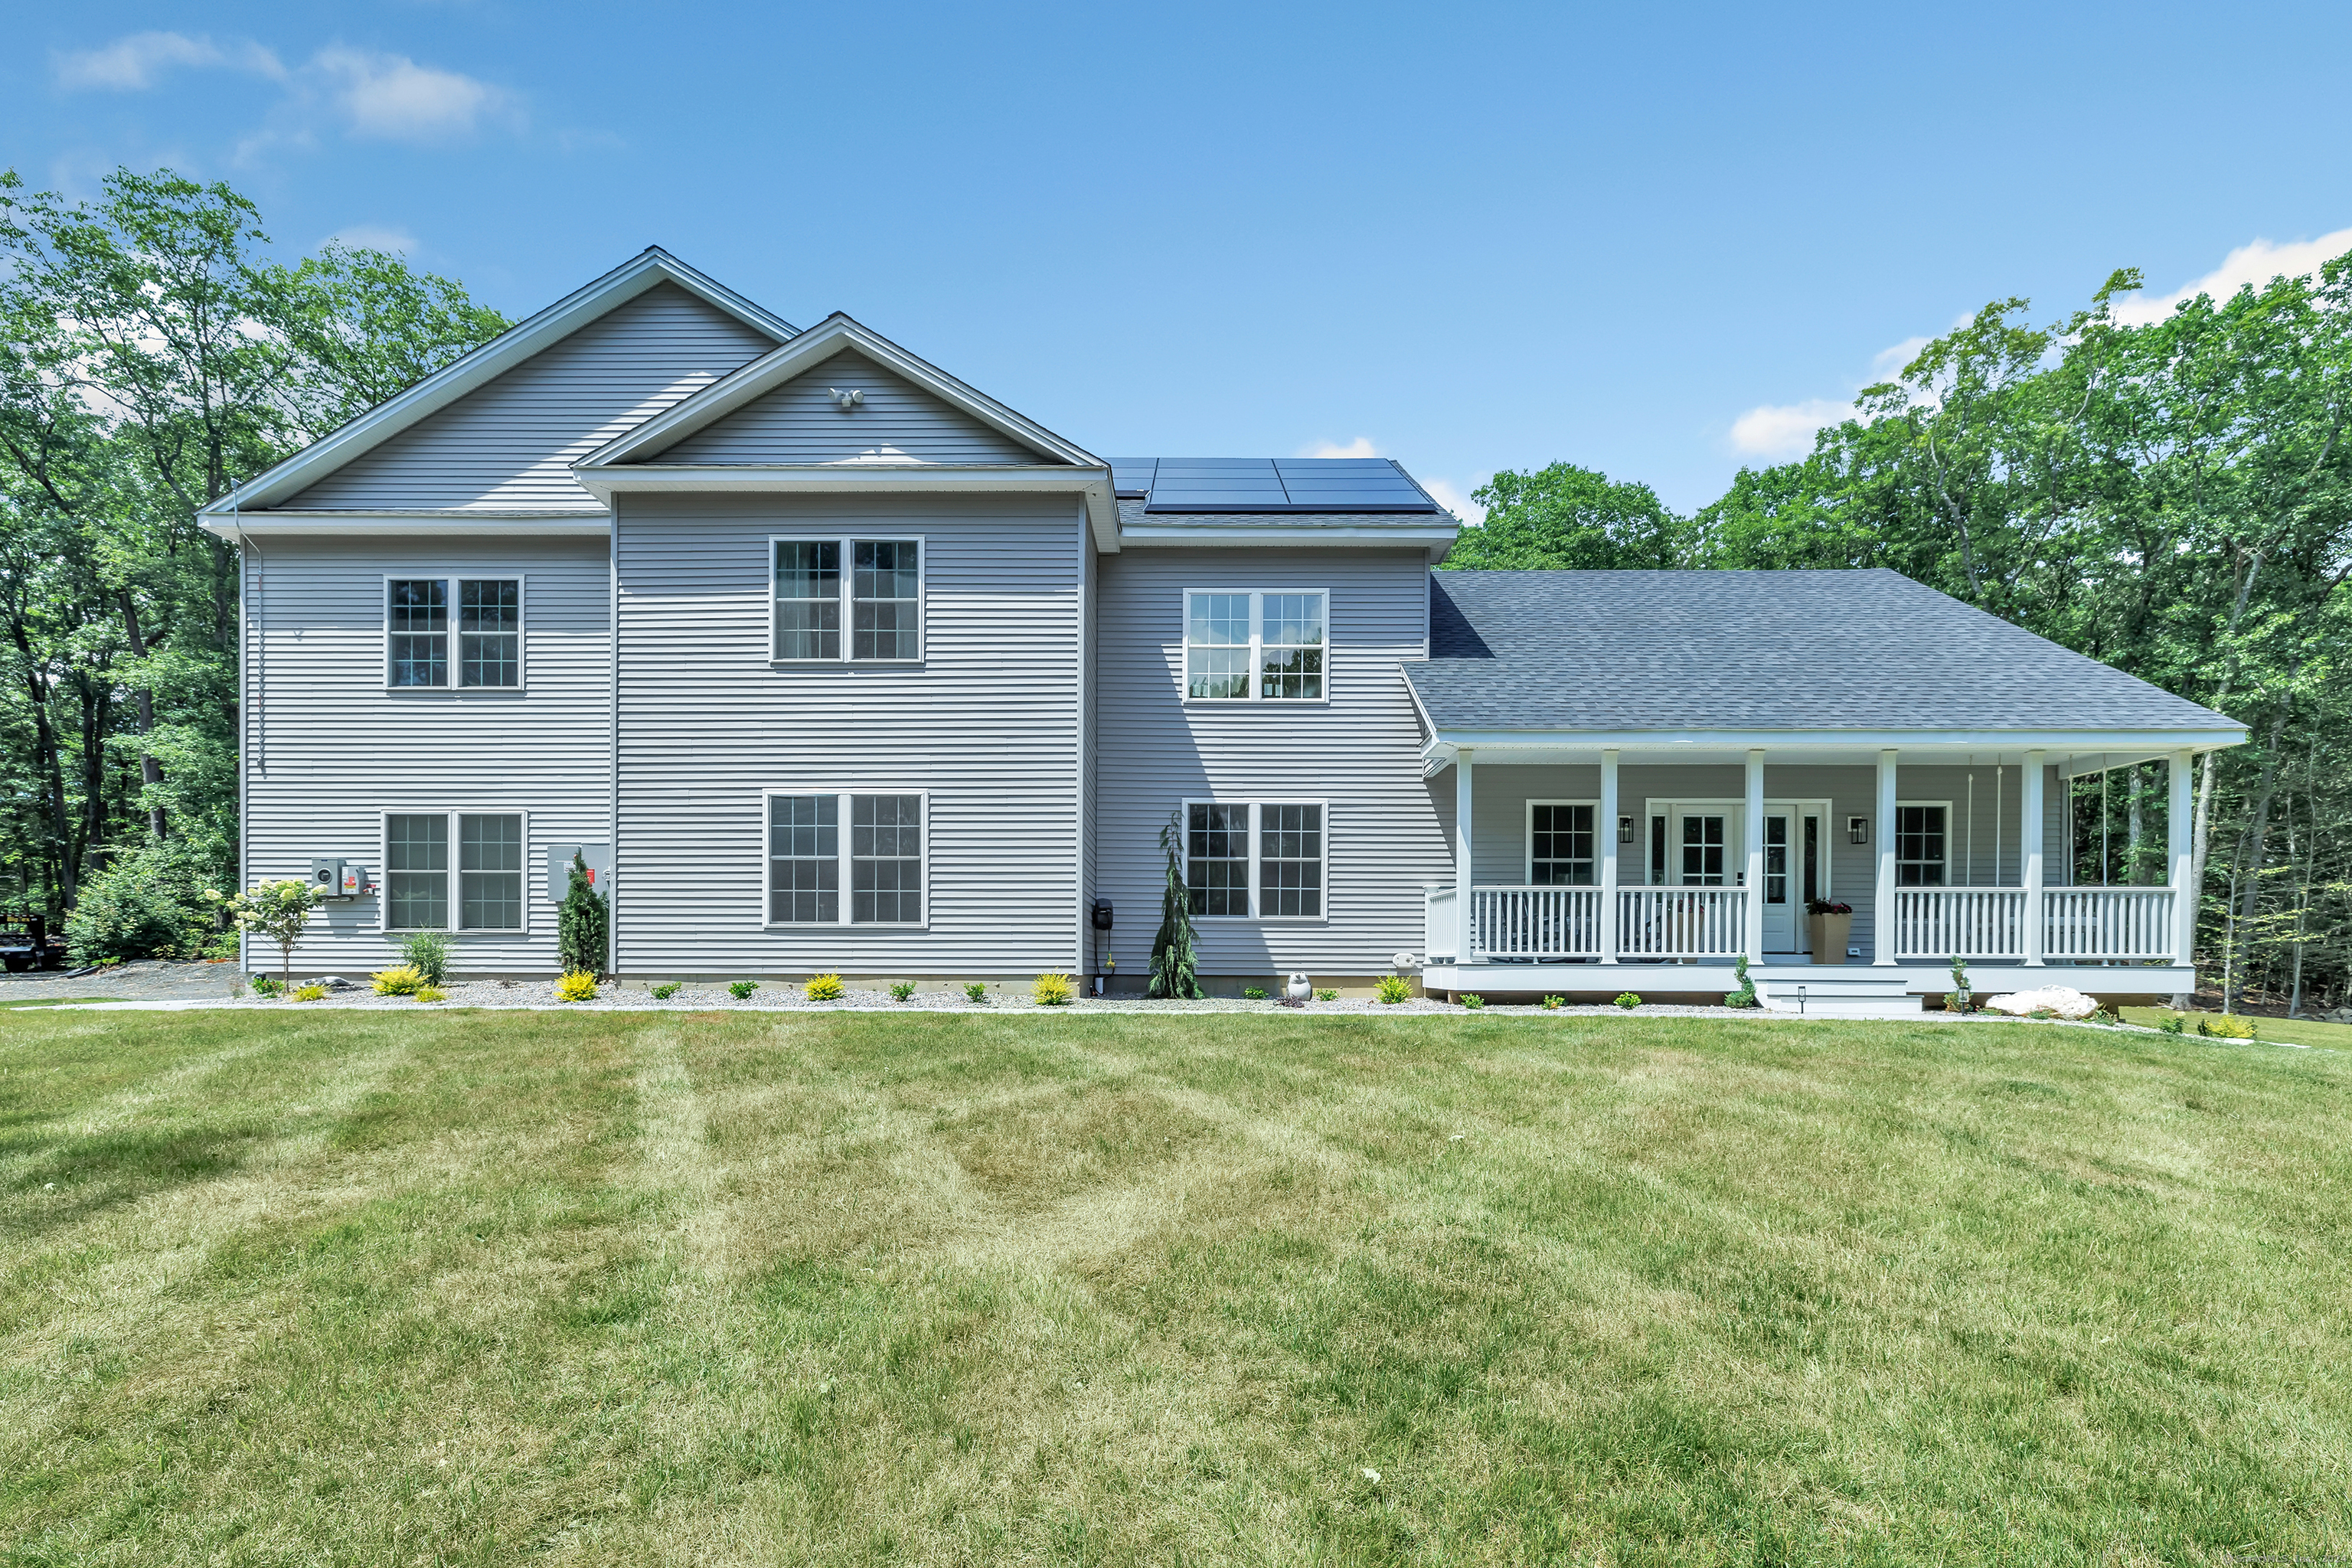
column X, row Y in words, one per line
column 1528, row 842
column 456, row 899
column 1256, row 650
column 1257, row 915
column 449, row 577
column 844, row 875
column 848, row 603
column 1900, row 862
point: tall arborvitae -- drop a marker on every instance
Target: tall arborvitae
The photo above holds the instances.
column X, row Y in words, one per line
column 1173, row 959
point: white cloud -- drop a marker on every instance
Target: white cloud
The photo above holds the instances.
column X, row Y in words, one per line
column 1361, row 447
column 1888, row 362
column 1783, row 430
column 2256, row 264
column 137, row 61
column 394, row 98
column 1454, row 500
column 375, row 236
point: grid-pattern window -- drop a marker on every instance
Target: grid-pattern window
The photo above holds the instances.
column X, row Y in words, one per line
column 1703, row 851
column 808, row 599
column 416, row 871
column 1776, row 859
column 416, row 623
column 1291, row 652
column 886, row 599
column 804, row 859
column 1559, row 844
column 489, row 631
column 1256, row 647
column 489, row 873
column 1217, row 858
column 1216, row 645
column 1918, row 845
column 885, row 859
column 1290, row 861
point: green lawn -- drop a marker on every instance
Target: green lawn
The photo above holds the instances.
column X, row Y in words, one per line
column 2292, row 1031
column 463, row 1288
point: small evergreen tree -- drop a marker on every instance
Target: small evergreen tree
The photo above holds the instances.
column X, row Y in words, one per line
column 1173, row 959
column 580, row 924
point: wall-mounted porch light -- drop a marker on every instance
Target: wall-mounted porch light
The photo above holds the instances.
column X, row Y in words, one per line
column 1625, row 830
column 1857, row 830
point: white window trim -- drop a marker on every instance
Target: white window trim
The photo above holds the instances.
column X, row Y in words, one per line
column 1666, row 805
column 847, row 601
column 1256, row 647
column 451, row 577
column 1900, row 862
column 1257, row 915
column 842, row 840
column 1527, row 840
column 456, row 903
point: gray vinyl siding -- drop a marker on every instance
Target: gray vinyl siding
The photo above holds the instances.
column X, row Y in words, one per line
column 799, row 422
column 508, row 445
column 1983, row 847
column 988, row 725
column 329, row 749
column 1360, row 753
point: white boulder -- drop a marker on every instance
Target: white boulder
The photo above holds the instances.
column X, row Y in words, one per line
column 2063, row 1000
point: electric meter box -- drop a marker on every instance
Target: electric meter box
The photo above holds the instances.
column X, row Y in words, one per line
column 339, row 878
column 599, row 860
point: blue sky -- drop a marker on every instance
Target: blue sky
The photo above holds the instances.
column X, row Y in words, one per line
column 1657, row 241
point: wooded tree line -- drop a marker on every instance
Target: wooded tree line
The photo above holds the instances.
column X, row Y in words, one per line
column 153, row 354
column 2174, row 497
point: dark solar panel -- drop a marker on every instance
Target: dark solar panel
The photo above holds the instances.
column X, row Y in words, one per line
column 1275, row 484
column 1218, row 484
column 1348, row 484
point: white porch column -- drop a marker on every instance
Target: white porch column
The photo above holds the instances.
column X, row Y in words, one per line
column 2029, row 841
column 1753, row 906
column 1882, row 907
column 1608, row 825
column 2175, row 844
column 1461, row 953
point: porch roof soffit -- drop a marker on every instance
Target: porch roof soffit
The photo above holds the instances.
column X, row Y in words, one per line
column 2075, row 752
column 650, row 268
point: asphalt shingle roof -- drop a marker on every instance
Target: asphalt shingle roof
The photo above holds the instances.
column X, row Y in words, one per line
column 1747, row 650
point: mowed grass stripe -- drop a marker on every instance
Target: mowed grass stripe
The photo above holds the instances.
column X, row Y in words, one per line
column 844, row 1287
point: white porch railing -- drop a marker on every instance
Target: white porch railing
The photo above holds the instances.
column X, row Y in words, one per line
column 1441, row 931
column 1536, row 923
column 1969, row 922
column 1681, row 922
column 2107, row 922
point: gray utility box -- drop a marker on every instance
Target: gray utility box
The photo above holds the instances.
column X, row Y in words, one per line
column 339, row 878
column 599, row 857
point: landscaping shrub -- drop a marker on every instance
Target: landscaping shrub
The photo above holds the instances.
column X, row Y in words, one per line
column 1746, row 996
column 666, row 990
column 1627, row 1000
column 1326, row 995
column 2174, row 1022
column 576, row 986
column 741, row 989
column 431, row 993
column 2229, row 1026
column 1173, row 960
column 270, row 985
column 581, row 922
column 311, row 994
column 975, row 992
column 427, row 953
column 1052, row 990
column 149, row 904
column 1472, row 1000
column 822, row 988
column 1554, row 1003
column 400, row 980
column 902, row 990
column 1254, row 993
column 1393, row 989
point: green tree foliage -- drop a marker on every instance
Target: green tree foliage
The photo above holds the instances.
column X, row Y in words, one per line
column 153, row 354
column 1565, row 517
column 581, row 923
column 1174, row 965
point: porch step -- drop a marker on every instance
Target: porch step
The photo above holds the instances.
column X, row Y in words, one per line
column 1840, row 998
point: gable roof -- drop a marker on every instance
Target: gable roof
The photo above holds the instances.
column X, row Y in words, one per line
column 510, row 348
column 1864, row 651
column 806, row 353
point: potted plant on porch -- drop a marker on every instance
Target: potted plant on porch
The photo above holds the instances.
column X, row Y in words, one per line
column 1828, row 923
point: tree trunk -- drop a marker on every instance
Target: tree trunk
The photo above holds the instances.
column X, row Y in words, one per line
column 2134, row 829
column 143, row 698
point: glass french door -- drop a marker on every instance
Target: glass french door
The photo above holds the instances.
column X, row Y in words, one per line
column 1792, row 874
column 1703, row 850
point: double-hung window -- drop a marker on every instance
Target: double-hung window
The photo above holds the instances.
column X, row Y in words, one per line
column 1919, row 846
column 466, row 863
column 446, row 632
column 854, row 600
column 873, row 845
column 1256, row 647
column 1256, row 859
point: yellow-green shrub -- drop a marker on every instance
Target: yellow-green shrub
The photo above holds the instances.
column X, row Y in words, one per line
column 310, row 994
column 2226, row 1027
column 400, row 980
column 577, row 987
column 1394, row 988
column 823, row 988
column 431, row 993
column 1052, row 990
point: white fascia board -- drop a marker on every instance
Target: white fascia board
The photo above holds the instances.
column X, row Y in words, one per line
column 446, row 524
column 493, row 359
column 2107, row 761
column 834, row 334
column 1857, row 740
column 866, row 478
column 1416, row 536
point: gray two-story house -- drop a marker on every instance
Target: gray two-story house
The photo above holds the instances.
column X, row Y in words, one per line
column 829, row 661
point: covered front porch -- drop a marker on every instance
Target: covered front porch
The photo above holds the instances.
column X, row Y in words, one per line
column 1592, row 869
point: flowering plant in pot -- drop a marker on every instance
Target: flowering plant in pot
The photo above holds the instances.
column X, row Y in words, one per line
column 1828, row 923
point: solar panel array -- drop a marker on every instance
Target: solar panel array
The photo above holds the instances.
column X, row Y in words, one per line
column 1270, row 484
